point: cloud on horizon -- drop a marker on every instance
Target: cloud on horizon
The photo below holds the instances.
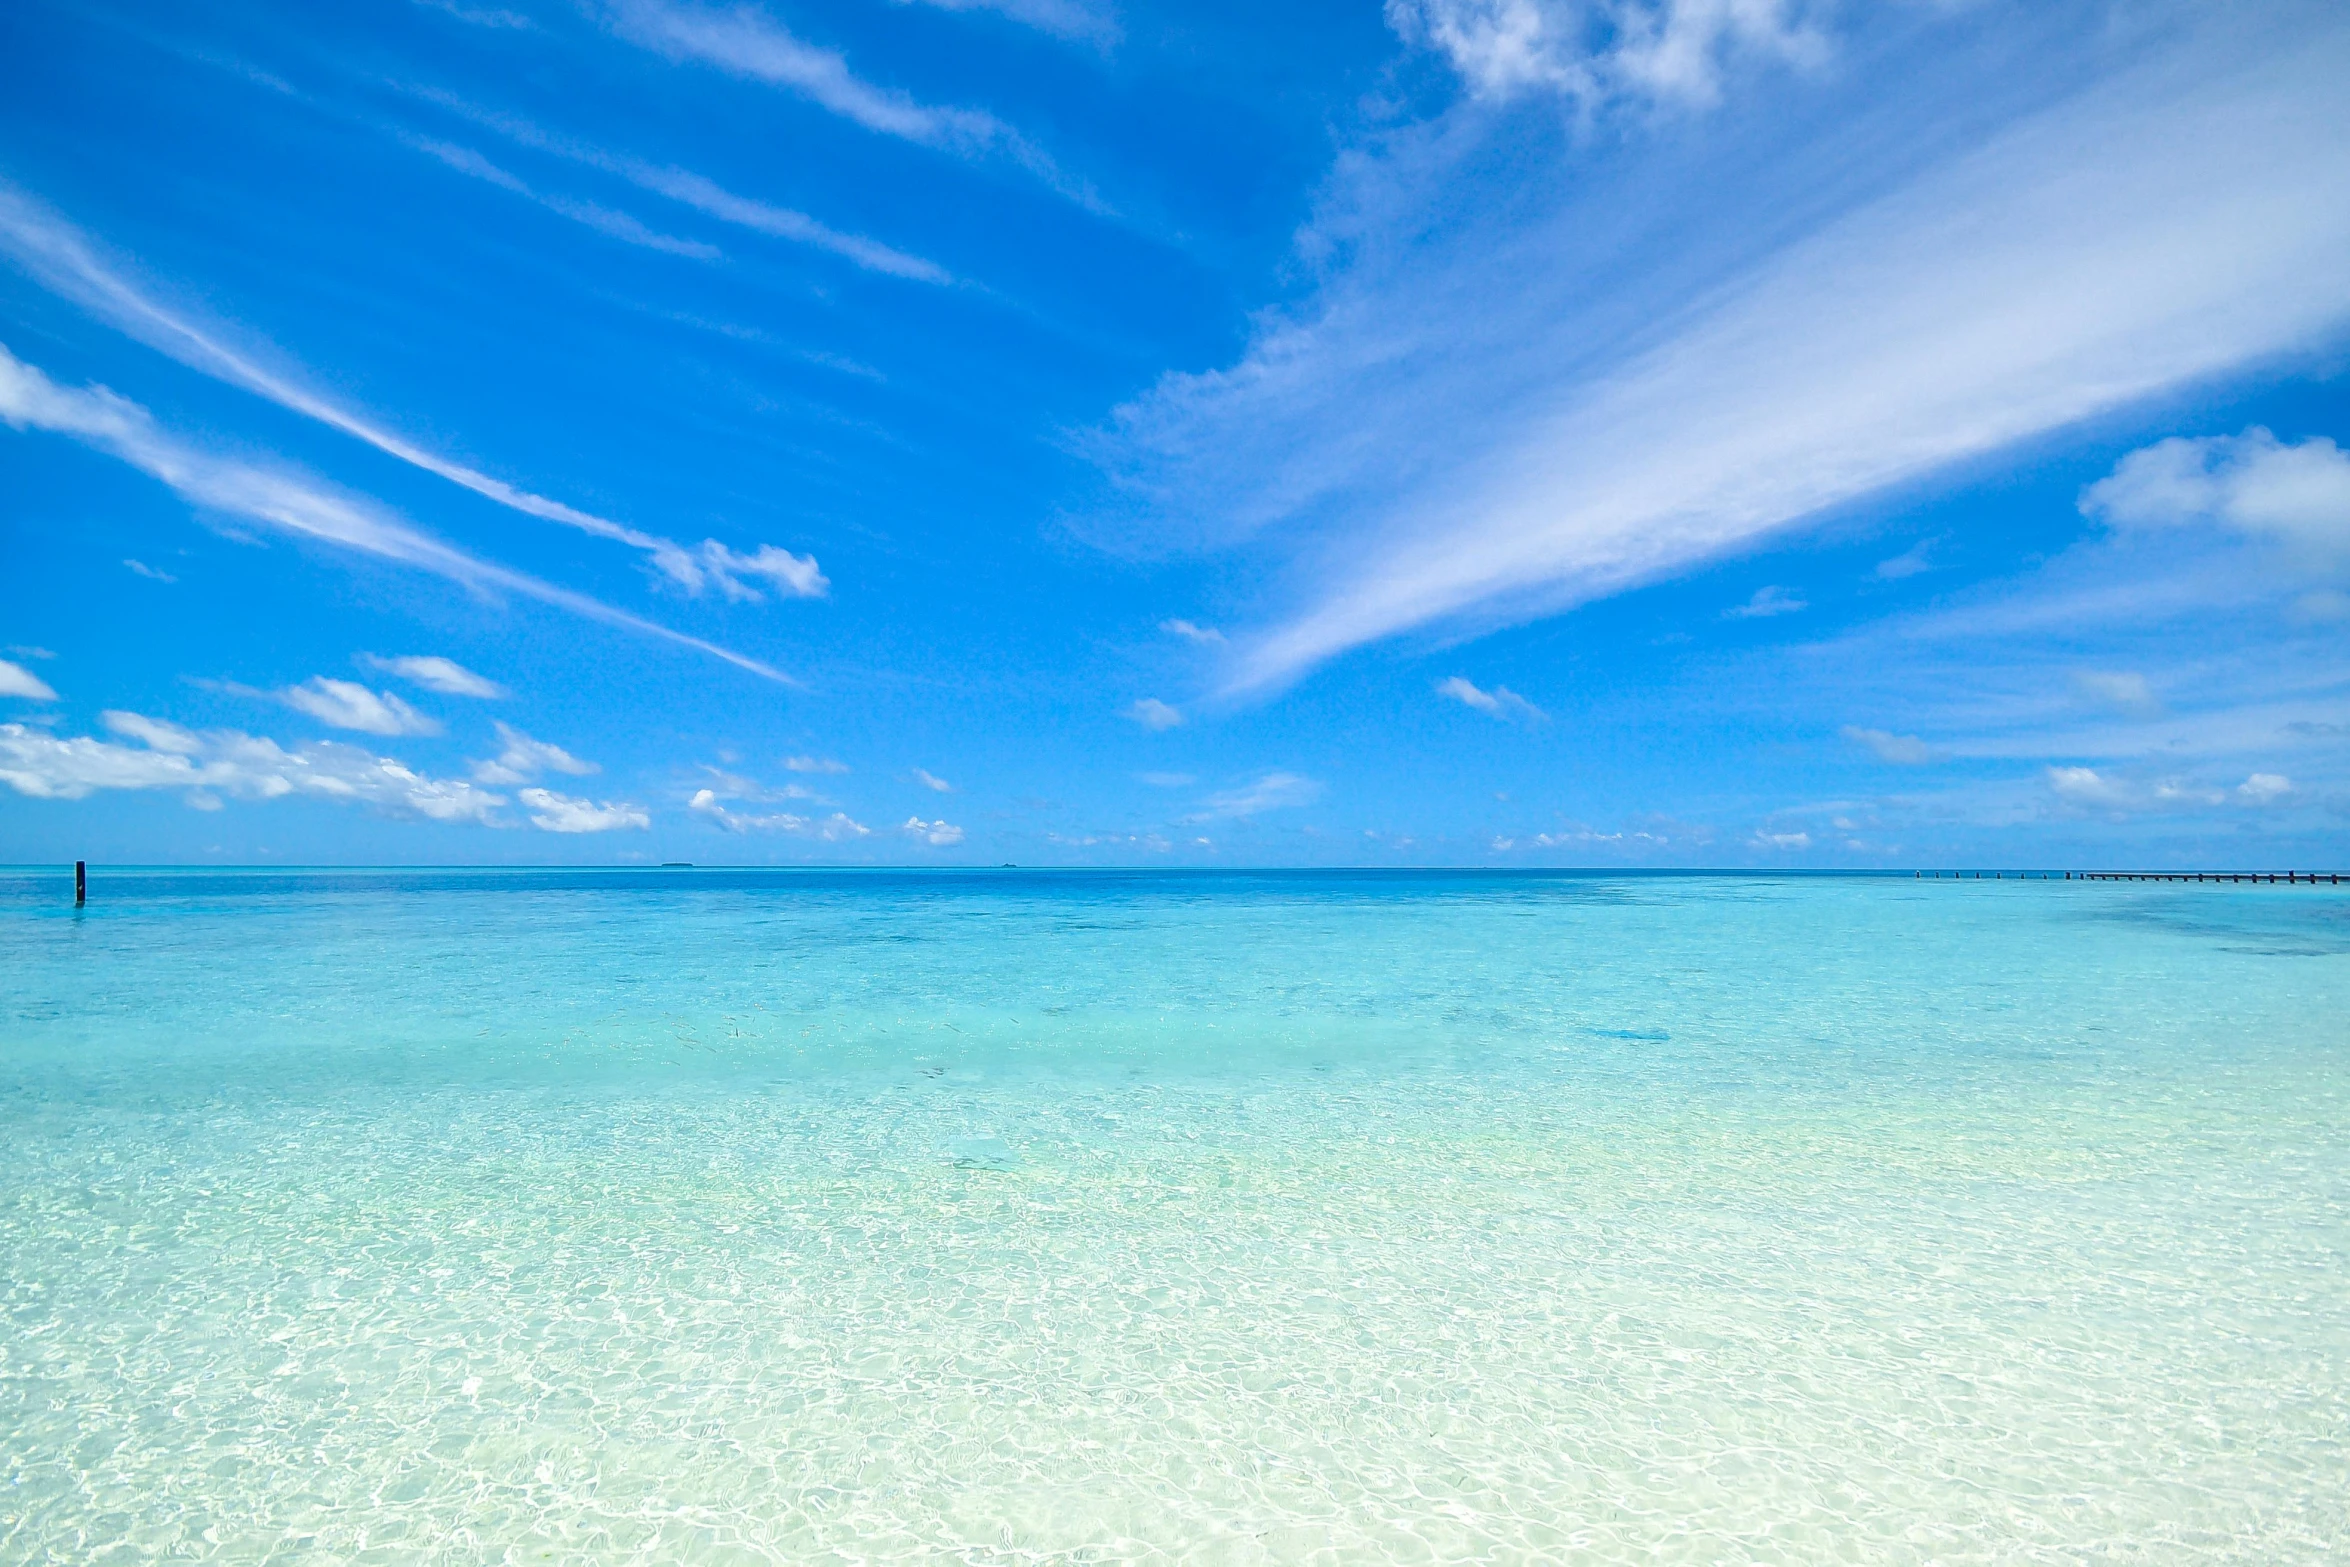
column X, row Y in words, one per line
column 552, row 812
column 210, row 764
column 839, row 827
column 1274, row 791
column 938, row 834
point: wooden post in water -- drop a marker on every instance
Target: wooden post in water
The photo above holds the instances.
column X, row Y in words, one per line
column 81, row 882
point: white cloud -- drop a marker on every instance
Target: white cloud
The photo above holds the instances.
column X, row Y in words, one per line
column 1152, row 713
column 16, row 680
column 288, row 502
column 142, row 569
column 229, row 762
column 2252, row 483
column 1072, row 19
column 524, row 759
column 705, row 195
column 788, row 575
column 1272, row 792
column 60, row 258
column 836, row 828
column 1766, row 603
column 1500, row 702
column 1782, row 840
column 552, row 812
column 1460, row 426
column 511, row 21
column 434, row 673
column 1191, row 632
column 2085, row 788
column 157, row 734
column 940, row 834
column 2264, row 788
column 814, row 764
column 1149, row 842
column 1594, row 52
column 1919, row 557
column 346, row 704
column 931, row 780
column 607, row 221
column 701, row 193
column 2116, row 688
column 1901, row 750
column 744, row 41
column 733, row 786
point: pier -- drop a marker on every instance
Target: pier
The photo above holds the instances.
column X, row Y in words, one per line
column 2289, row 878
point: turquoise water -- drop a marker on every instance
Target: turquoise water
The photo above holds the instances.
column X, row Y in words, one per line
column 1017, row 1217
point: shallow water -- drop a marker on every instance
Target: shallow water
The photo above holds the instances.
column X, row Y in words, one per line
column 1025, row 1217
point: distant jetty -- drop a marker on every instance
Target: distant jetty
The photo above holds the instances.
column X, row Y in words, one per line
column 2290, row 878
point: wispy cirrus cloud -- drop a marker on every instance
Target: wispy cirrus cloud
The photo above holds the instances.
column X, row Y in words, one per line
column 18, row 681
column 291, row 503
column 1070, row 19
column 839, row 827
column 434, row 673
column 1274, row 791
column 1900, row 750
column 1154, row 714
column 346, row 704
column 523, row 758
column 1500, row 702
column 1767, row 603
column 552, row 812
column 62, row 259
column 700, row 192
column 745, row 41
column 2123, row 688
column 481, row 16
column 1484, row 415
column 1919, row 557
column 786, row 575
column 930, row 780
column 607, row 221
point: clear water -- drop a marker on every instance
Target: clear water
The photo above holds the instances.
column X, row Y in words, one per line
column 1022, row 1217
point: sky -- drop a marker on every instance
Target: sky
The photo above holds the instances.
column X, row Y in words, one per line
column 1727, row 433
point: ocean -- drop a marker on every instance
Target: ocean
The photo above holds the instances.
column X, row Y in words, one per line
column 1023, row 1216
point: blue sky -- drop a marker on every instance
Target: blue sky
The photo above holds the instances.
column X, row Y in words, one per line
column 1522, row 432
